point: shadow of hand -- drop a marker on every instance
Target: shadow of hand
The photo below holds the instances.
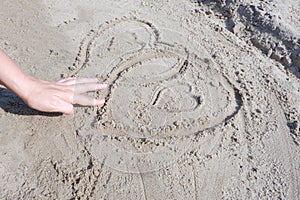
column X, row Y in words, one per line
column 11, row 103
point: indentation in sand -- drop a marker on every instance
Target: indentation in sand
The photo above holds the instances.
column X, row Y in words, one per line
column 159, row 95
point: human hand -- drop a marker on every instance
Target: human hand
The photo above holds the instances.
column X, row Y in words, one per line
column 60, row 96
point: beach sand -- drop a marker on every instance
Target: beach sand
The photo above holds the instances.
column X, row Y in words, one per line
column 203, row 100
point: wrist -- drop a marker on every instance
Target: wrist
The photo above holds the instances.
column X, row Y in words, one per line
column 24, row 86
column 21, row 85
column 14, row 78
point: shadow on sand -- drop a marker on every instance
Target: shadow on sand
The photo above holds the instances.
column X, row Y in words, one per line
column 11, row 103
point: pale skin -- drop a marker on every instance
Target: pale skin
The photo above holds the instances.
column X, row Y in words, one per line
column 47, row 96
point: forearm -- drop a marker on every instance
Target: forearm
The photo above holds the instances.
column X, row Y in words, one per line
column 47, row 96
column 12, row 77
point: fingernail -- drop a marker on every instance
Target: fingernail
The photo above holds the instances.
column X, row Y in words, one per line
column 100, row 102
column 103, row 86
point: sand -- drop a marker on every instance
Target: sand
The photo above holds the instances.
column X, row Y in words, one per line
column 203, row 100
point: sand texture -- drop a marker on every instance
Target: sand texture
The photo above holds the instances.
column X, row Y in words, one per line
column 203, row 100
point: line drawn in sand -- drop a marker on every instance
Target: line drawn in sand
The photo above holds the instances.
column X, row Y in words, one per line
column 160, row 96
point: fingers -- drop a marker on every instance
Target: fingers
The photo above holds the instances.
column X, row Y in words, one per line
column 75, row 81
column 75, row 88
column 82, row 85
column 86, row 80
column 66, row 80
column 87, row 87
column 62, row 106
column 87, row 101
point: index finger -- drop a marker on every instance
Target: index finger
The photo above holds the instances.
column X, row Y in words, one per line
column 87, row 87
column 75, row 81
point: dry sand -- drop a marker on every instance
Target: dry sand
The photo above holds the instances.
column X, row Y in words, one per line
column 203, row 103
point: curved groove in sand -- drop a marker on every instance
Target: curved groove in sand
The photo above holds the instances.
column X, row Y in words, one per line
column 160, row 96
column 187, row 121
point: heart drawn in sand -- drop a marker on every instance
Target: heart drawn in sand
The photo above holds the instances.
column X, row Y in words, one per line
column 157, row 91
